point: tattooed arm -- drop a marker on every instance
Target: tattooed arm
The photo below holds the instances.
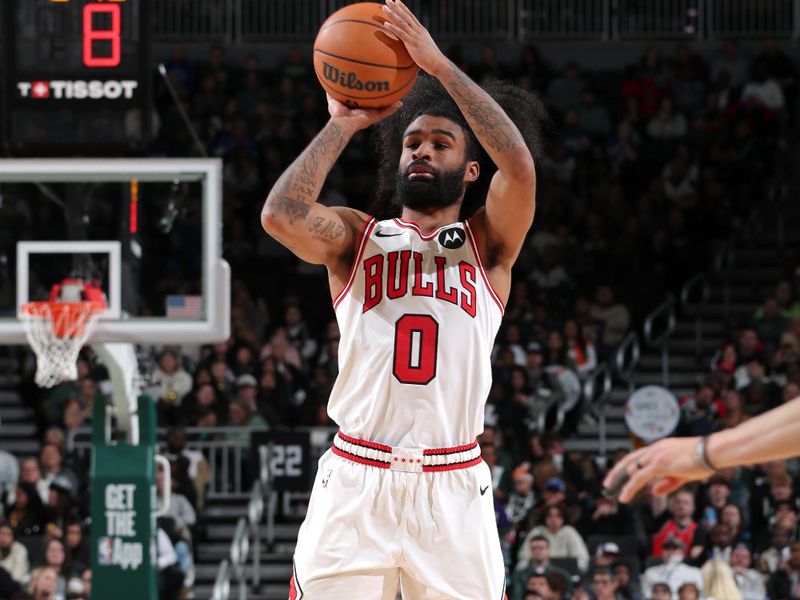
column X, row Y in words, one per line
column 291, row 214
column 511, row 202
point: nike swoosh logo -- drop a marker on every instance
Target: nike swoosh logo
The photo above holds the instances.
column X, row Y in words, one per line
column 483, row 490
column 381, row 234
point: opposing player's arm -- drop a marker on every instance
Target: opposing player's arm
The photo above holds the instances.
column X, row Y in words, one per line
column 511, row 203
column 291, row 214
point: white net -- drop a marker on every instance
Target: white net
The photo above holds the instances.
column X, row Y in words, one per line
column 57, row 331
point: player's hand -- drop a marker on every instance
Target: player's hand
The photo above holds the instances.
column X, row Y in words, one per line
column 401, row 22
column 669, row 463
column 355, row 119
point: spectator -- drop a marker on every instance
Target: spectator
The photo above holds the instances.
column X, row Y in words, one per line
column 180, row 509
column 580, row 351
column 565, row 91
column 538, row 563
column 13, row 555
column 564, row 540
column 679, row 524
column 661, row 591
column 613, row 316
column 170, row 385
column 31, row 472
column 593, row 117
column 731, row 63
column 604, row 585
column 673, row 571
column 667, row 125
column 689, row 591
column 627, row 586
column 28, row 515
column 52, row 460
column 44, row 584
column 783, row 582
column 749, row 581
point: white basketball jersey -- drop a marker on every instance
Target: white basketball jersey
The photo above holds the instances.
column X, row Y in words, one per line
column 418, row 318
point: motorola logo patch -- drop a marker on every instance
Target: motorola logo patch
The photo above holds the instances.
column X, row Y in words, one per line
column 452, row 238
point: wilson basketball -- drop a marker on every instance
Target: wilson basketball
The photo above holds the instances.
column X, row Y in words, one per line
column 358, row 63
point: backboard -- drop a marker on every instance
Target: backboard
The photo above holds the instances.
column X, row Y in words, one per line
column 147, row 230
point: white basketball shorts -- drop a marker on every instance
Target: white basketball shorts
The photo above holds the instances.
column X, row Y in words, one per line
column 382, row 516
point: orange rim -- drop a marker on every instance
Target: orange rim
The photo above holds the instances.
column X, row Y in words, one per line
column 66, row 318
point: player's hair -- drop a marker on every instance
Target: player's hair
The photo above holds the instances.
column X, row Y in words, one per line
column 429, row 97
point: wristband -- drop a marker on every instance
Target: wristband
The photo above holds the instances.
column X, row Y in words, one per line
column 701, row 455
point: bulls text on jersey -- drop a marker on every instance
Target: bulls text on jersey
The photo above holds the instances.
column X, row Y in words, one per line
column 400, row 272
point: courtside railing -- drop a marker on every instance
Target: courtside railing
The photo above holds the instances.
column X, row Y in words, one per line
column 261, row 21
column 226, row 450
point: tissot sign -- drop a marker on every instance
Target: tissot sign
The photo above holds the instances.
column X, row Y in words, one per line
column 64, row 89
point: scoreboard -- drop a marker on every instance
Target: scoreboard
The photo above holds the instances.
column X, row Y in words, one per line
column 77, row 77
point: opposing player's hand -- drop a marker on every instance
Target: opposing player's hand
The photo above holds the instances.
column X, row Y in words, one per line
column 401, row 22
column 354, row 119
column 670, row 463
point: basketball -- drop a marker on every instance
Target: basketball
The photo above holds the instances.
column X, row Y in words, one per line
column 358, row 63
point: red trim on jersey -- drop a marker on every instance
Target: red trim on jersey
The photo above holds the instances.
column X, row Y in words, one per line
column 365, row 443
column 418, row 229
column 359, row 459
column 365, row 233
column 492, row 292
column 453, row 450
column 452, row 466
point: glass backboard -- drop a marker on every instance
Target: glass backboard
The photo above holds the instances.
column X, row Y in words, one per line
column 146, row 230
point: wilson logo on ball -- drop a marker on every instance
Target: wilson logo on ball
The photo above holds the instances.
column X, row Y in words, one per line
column 351, row 80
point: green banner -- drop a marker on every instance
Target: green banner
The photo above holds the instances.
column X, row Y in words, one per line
column 123, row 532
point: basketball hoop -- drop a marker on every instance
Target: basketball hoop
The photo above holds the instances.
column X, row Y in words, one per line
column 57, row 331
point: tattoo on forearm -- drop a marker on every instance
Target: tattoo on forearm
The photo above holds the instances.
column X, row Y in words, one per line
column 491, row 124
column 300, row 184
column 326, row 229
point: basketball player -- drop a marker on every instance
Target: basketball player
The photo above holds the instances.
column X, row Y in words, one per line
column 673, row 462
column 403, row 495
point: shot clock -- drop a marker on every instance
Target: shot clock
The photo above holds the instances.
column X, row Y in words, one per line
column 77, row 77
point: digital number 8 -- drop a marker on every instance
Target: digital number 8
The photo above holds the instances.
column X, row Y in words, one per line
column 91, row 35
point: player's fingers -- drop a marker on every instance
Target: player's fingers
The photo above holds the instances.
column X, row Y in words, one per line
column 403, row 9
column 398, row 28
column 396, row 15
column 621, row 468
column 638, row 480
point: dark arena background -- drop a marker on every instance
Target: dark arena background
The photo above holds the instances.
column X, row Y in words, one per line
column 657, row 293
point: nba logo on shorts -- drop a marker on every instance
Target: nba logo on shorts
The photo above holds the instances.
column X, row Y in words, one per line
column 105, row 551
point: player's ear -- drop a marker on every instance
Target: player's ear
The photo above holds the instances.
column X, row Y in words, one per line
column 472, row 172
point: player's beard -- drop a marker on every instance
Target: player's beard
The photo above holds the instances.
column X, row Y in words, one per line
column 441, row 191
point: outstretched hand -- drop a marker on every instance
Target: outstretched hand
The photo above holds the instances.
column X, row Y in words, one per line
column 355, row 119
column 670, row 463
column 402, row 23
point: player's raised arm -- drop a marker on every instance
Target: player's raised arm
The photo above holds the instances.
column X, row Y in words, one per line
column 291, row 214
column 511, row 202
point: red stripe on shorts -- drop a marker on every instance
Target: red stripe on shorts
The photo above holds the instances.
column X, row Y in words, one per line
column 453, row 450
column 453, row 466
column 365, row 443
column 364, row 461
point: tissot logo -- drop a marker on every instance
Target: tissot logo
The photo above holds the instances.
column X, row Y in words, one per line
column 59, row 89
column 452, row 238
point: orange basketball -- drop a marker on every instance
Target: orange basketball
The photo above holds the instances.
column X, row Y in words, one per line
column 357, row 62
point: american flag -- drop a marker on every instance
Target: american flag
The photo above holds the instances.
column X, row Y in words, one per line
column 184, row 307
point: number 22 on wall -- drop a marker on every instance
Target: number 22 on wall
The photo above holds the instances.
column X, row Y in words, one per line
column 92, row 35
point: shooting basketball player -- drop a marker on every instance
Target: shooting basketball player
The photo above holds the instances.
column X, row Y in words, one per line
column 403, row 495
